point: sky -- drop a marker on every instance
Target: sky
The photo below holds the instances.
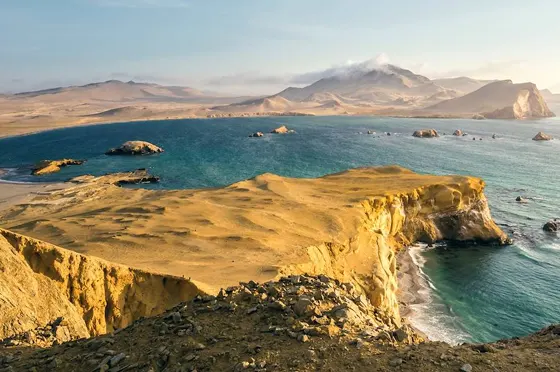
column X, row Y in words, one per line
column 263, row 46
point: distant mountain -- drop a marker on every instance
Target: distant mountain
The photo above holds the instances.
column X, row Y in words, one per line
column 381, row 85
column 462, row 84
column 501, row 99
column 118, row 91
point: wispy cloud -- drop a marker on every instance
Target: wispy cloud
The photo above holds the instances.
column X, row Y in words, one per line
column 344, row 69
column 142, row 3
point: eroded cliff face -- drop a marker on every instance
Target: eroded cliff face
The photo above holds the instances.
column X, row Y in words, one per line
column 41, row 282
column 428, row 214
column 528, row 104
column 348, row 226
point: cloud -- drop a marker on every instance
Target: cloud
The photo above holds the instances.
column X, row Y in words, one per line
column 487, row 70
column 142, row 3
column 347, row 69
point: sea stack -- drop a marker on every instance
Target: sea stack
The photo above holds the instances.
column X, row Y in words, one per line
column 542, row 137
column 426, row 133
column 52, row 166
column 135, row 148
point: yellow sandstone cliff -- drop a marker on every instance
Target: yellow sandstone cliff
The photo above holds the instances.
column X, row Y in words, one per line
column 348, row 226
column 41, row 282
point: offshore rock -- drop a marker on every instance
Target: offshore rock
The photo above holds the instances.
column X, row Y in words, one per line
column 52, row 166
column 542, row 137
column 426, row 133
column 135, row 148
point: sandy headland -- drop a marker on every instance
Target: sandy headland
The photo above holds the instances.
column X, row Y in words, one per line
column 348, row 226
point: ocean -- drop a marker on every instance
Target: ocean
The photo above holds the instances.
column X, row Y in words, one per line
column 472, row 294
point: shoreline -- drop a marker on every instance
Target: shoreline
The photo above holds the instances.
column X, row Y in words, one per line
column 240, row 115
column 409, row 287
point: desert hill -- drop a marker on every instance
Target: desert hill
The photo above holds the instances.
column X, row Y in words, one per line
column 463, row 84
column 379, row 85
column 501, row 100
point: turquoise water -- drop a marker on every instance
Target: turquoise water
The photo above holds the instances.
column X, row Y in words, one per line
column 478, row 293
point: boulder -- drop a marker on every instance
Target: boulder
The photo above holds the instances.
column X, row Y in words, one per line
column 458, row 133
column 281, row 130
column 256, row 134
column 135, row 148
column 426, row 133
column 52, row 166
column 542, row 137
column 552, row 226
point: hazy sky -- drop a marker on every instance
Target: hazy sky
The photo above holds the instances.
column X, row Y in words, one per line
column 261, row 46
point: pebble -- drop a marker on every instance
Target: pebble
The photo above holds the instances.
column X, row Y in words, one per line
column 466, row 368
column 116, row 359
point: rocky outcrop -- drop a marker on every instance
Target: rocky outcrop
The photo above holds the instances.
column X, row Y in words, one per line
column 297, row 323
column 135, row 148
column 257, row 134
column 52, row 166
column 42, row 282
column 459, row 133
column 124, row 178
column 282, row 130
column 426, row 133
column 478, row 117
column 542, row 137
column 552, row 226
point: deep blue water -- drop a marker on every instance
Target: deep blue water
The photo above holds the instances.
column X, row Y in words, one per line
column 480, row 293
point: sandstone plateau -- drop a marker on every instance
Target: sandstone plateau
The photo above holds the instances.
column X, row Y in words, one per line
column 348, row 226
column 316, row 259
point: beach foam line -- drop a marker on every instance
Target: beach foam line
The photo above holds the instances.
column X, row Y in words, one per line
column 429, row 313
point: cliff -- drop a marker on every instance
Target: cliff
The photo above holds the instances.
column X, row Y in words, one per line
column 348, row 226
column 499, row 100
column 41, row 282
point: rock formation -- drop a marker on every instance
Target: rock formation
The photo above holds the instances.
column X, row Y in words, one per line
column 118, row 179
column 499, row 100
column 42, row 282
column 542, row 137
column 297, row 323
column 458, row 132
column 552, row 226
column 256, row 134
column 52, row 166
column 135, row 148
column 282, row 130
column 426, row 133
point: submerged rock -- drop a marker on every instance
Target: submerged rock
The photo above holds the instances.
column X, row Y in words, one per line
column 426, row 133
column 542, row 137
column 52, row 166
column 135, row 148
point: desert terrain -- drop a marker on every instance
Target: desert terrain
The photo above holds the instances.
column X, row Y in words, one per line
column 387, row 91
